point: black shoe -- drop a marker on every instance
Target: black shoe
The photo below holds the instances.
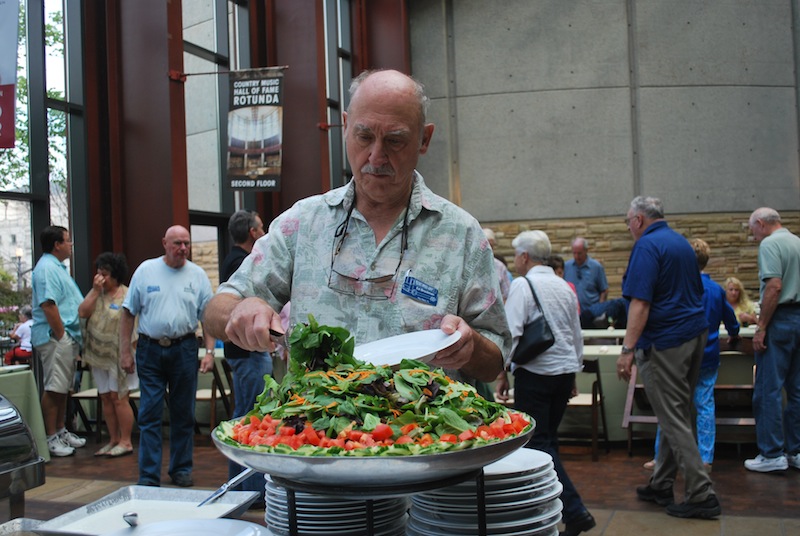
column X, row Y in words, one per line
column 707, row 509
column 183, row 480
column 662, row 497
column 582, row 523
column 150, row 483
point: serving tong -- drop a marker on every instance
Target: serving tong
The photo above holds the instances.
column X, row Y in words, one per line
column 226, row 486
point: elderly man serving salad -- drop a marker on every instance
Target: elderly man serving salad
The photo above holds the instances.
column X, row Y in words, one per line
column 380, row 256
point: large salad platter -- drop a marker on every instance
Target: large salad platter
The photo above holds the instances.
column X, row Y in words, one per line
column 338, row 423
column 372, row 471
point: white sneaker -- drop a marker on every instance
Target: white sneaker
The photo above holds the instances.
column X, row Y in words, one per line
column 761, row 464
column 794, row 461
column 70, row 439
column 57, row 447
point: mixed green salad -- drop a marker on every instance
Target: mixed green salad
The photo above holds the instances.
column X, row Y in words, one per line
column 331, row 404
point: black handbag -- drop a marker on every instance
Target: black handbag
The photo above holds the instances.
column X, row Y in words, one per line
column 536, row 336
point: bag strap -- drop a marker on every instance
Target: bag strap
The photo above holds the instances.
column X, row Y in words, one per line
column 535, row 297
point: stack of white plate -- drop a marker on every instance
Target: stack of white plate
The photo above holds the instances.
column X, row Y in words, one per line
column 521, row 496
column 318, row 514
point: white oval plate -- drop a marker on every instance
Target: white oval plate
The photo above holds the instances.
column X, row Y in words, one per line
column 420, row 345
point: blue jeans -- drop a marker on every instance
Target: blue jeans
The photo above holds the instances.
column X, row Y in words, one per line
column 545, row 399
column 778, row 367
column 248, row 383
column 173, row 368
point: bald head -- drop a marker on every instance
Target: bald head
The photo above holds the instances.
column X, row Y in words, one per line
column 393, row 86
column 177, row 244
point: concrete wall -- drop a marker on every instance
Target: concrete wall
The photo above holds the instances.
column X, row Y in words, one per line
column 554, row 110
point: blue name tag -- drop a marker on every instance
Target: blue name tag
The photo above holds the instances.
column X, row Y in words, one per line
column 113, row 306
column 419, row 291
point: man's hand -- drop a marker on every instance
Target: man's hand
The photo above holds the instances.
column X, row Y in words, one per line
column 473, row 354
column 207, row 363
column 501, row 387
column 759, row 339
column 249, row 324
column 126, row 360
column 624, row 365
column 460, row 353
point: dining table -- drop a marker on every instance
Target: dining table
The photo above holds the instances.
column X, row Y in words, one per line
column 19, row 386
column 618, row 334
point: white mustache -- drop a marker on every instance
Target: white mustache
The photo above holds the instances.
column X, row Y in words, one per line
column 382, row 170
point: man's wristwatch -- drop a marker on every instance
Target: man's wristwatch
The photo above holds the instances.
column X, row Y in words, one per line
column 626, row 350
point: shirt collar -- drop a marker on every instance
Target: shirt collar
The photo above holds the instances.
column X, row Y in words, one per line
column 421, row 197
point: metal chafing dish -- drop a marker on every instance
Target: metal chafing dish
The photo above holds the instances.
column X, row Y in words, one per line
column 21, row 467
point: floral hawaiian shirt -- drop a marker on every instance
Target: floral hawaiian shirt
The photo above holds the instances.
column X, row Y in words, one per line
column 332, row 268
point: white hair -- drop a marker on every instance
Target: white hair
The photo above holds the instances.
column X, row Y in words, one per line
column 535, row 243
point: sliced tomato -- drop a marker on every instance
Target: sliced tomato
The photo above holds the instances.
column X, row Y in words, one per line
column 466, row 435
column 382, row 432
column 425, row 440
column 403, row 439
column 448, row 438
column 405, row 430
column 310, row 436
column 483, row 432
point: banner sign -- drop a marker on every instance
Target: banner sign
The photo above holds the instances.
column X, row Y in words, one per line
column 9, row 24
column 255, row 129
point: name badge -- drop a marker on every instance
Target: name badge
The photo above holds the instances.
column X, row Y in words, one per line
column 417, row 290
column 113, row 306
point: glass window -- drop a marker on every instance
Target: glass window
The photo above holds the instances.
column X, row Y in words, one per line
column 202, row 135
column 57, row 150
column 54, row 48
column 338, row 39
column 198, row 23
column 16, row 252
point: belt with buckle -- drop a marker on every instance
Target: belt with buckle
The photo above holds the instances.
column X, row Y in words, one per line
column 166, row 342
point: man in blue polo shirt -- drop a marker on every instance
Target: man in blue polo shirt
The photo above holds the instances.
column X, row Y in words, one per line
column 589, row 278
column 667, row 331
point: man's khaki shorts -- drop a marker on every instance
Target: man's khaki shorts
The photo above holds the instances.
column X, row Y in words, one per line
column 58, row 363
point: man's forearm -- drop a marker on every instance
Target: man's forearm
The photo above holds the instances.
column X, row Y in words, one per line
column 53, row 317
column 769, row 301
column 126, row 321
column 217, row 313
column 638, row 313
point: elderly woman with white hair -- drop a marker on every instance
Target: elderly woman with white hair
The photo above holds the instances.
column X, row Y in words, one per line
column 544, row 385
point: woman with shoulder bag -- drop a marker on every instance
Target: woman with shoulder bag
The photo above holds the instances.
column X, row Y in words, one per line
column 544, row 382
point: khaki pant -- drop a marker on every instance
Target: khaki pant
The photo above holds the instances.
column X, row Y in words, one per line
column 670, row 376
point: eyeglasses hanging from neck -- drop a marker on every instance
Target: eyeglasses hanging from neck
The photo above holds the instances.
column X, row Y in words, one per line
column 380, row 287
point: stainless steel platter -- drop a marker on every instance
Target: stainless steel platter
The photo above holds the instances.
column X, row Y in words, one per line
column 152, row 505
column 374, row 472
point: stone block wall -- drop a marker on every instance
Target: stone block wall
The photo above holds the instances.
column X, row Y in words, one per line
column 733, row 250
column 206, row 255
